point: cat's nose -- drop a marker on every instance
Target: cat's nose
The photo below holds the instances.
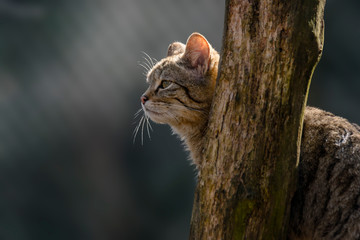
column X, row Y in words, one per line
column 144, row 98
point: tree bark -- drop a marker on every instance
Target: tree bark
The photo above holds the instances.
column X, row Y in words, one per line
column 248, row 174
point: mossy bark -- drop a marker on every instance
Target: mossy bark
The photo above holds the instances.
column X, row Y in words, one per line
column 248, row 174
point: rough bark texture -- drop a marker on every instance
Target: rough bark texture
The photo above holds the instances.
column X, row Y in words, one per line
column 247, row 178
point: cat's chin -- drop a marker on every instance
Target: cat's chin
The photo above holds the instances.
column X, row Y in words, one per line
column 155, row 117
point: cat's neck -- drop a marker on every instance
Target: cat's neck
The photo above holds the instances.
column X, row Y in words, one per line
column 193, row 137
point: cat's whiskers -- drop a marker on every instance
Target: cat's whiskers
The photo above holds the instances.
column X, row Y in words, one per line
column 138, row 113
column 142, row 130
column 147, row 68
column 147, row 63
column 141, row 124
column 155, row 61
column 149, row 59
column 136, row 130
column 148, row 125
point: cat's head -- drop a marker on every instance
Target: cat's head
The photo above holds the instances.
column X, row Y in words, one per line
column 181, row 85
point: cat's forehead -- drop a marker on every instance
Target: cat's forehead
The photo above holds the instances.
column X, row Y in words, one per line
column 166, row 68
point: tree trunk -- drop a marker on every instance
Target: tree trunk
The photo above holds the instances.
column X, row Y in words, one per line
column 248, row 175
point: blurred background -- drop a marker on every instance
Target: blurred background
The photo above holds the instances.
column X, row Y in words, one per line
column 70, row 83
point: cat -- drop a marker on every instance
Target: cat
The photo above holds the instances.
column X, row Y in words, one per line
column 326, row 204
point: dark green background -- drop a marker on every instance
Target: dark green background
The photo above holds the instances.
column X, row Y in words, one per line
column 69, row 87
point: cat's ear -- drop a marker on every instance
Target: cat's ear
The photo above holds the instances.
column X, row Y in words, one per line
column 175, row 48
column 197, row 52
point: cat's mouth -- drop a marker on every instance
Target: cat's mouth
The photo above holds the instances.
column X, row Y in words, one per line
column 153, row 115
column 151, row 112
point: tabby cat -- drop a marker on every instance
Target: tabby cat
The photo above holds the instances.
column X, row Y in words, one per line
column 326, row 204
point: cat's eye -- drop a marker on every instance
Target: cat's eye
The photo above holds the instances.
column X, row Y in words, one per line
column 165, row 84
